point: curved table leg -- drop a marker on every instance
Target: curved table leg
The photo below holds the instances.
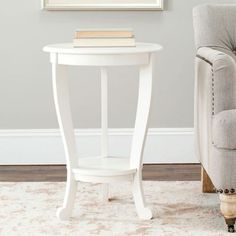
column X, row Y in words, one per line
column 62, row 104
column 144, row 101
column 104, row 125
column 105, row 192
column 64, row 213
column 142, row 211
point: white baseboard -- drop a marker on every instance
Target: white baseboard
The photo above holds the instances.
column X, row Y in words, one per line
column 164, row 145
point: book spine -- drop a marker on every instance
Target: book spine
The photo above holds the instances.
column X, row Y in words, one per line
column 104, row 34
column 102, row 43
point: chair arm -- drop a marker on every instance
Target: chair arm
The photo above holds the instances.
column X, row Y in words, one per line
column 209, row 55
column 223, row 78
column 215, row 91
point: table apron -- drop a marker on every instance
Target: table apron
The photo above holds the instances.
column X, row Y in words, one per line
column 101, row 60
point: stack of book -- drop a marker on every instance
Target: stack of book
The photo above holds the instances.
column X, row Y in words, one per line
column 104, row 38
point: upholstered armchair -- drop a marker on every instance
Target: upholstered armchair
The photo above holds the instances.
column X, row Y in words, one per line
column 215, row 102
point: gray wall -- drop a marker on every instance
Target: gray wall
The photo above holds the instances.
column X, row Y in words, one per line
column 26, row 100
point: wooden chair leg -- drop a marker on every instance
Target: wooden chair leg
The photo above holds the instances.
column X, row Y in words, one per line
column 228, row 209
column 207, row 185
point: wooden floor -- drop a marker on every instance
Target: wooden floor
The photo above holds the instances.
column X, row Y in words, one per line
column 52, row 173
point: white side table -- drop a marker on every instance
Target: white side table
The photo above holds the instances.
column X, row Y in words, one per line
column 102, row 169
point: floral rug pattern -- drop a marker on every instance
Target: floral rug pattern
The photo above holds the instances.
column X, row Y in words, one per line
column 179, row 208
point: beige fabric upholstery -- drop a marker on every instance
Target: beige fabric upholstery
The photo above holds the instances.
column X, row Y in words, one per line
column 224, row 129
column 214, row 27
column 215, row 92
column 223, row 79
column 221, row 169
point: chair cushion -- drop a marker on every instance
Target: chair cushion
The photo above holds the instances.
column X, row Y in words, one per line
column 224, row 129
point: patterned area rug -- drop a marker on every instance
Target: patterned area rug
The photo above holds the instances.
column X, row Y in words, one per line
column 179, row 209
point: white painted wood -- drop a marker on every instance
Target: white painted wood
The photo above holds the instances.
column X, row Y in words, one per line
column 104, row 125
column 44, row 146
column 64, row 213
column 62, row 104
column 104, row 166
column 103, row 179
column 103, row 60
column 104, row 169
column 114, row 5
column 94, row 132
column 104, row 112
column 67, row 48
column 143, row 107
column 105, row 194
column 139, row 137
column 142, row 210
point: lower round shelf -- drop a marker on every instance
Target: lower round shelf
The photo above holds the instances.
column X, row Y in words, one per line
column 104, row 166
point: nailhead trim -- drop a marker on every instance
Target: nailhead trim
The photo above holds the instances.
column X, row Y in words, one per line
column 212, row 91
column 213, row 94
column 226, row 191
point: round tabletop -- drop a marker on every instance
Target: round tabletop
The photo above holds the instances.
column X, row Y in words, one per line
column 68, row 48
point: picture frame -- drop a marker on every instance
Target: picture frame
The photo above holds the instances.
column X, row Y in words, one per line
column 102, row 4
